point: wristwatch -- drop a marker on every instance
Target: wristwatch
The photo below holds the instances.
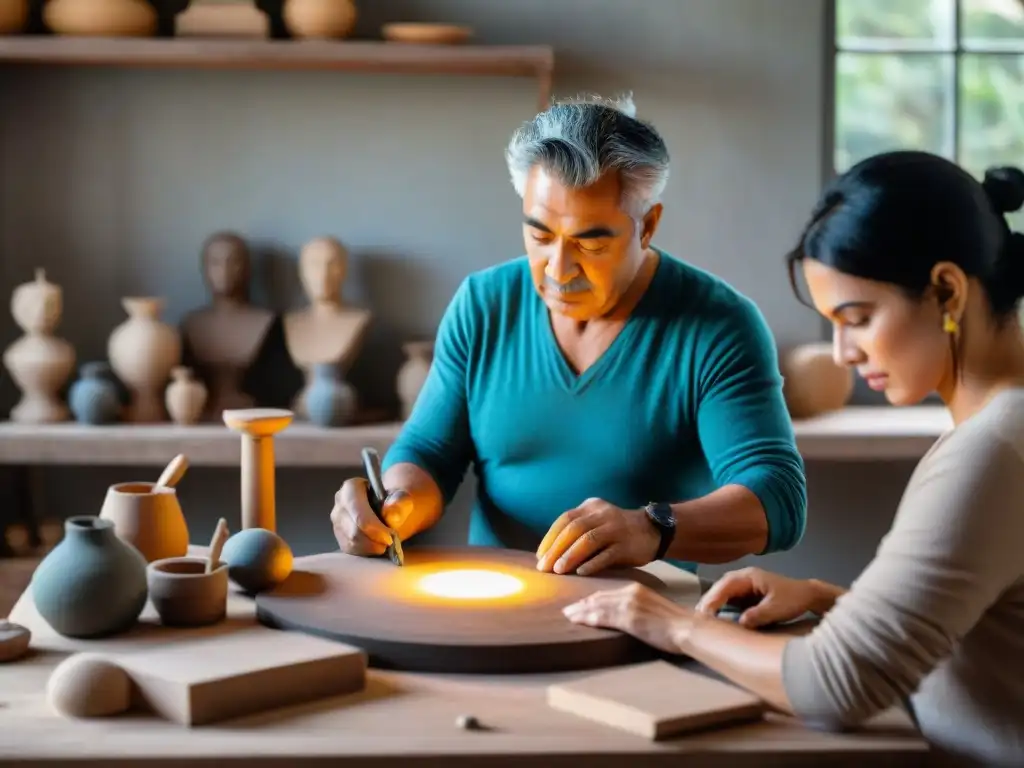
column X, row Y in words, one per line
column 661, row 515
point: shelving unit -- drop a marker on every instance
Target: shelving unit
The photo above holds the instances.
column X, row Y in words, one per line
column 306, row 55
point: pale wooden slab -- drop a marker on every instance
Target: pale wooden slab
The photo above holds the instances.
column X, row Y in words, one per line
column 206, row 680
column 655, row 700
column 855, row 432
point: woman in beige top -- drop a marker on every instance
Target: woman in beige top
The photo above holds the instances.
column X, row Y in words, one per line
column 911, row 260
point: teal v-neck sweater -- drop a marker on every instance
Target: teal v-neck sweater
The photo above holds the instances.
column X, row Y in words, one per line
column 687, row 398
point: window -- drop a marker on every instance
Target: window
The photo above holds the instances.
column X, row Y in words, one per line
column 945, row 76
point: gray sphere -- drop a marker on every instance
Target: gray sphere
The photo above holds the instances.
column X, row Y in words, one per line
column 257, row 559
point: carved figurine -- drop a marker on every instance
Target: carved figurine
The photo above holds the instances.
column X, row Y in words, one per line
column 326, row 331
column 223, row 339
column 39, row 362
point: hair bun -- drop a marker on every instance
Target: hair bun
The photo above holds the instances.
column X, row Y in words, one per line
column 1005, row 188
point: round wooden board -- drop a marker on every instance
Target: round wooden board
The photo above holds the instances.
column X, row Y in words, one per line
column 384, row 609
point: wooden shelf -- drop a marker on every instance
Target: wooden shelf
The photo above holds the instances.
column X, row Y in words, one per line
column 353, row 56
column 869, row 433
column 853, row 434
column 210, row 445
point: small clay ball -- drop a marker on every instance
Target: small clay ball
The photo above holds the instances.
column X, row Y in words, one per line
column 88, row 685
column 257, row 559
column 467, row 722
column 14, row 640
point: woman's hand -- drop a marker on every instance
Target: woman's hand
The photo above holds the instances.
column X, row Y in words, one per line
column 779, row 598
column 638, row 611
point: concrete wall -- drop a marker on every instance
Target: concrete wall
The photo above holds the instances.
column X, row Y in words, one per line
column 111, row 179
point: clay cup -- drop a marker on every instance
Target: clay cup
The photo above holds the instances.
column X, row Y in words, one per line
column 148, row 518
column 184, row 595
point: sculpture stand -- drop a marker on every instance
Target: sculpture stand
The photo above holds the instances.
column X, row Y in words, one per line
column 258, row 427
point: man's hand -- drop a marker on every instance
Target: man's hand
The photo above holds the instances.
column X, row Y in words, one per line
column 597, row 535
column 358, row 530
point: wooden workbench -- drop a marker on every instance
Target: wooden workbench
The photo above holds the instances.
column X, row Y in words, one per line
column 403, row 720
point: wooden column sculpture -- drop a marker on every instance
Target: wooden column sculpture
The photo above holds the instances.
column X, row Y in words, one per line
column 258, row 427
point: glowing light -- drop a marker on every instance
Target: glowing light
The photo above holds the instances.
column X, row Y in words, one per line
column 470, row 584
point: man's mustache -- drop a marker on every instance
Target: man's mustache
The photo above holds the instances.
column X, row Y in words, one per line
column 576, row 285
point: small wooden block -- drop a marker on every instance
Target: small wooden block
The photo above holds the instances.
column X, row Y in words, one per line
column 656, row 700
column 206, row 680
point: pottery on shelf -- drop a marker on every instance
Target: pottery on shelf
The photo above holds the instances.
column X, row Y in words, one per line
column 148, row 518
column 39, row 362
column 413, row 373
column 319, row 18
column 14, row 638
column 223, row 339
column 101, row 18
column 92, row 584
column 143, row 350
column 185, row 396
column 326, row 330
column 222, row 18
column 330, row 401
column 94, row 398
column 813, row 383
column 13, row 16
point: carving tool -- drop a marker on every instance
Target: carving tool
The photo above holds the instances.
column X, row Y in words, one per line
column 377, row 496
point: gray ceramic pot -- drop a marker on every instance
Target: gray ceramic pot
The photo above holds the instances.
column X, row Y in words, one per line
column 92, row 584
column 94, row 398
column 330, row 401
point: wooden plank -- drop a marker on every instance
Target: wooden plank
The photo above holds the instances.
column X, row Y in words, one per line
column 211, row 445
column 872, row 433
column 867, row 433
column 365, row 56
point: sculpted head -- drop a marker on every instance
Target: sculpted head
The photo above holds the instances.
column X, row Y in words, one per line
column 322, row 264
column 225, row 262
column 913, row 262
column 590, row 176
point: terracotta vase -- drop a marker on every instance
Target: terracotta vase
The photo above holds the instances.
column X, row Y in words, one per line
column 150, row 520
column 319, row 18
column 185, row 397
column 39, row 362
column 13, row 16
column 101, row 18
column 413, row 373
column 813, row 382
column 143, row 351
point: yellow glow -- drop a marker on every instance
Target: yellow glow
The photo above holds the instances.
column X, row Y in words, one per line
column 470, row 584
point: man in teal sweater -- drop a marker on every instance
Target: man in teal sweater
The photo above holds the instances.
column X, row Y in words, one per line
column 616, row 404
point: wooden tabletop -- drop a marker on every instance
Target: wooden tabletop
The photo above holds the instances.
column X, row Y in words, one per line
column 400, row 719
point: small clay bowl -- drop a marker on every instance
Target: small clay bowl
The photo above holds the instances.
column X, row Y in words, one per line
column 184, row 595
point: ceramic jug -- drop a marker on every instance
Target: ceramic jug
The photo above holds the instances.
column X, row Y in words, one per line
column 91, row 584
column 142, row 351
column 413, row 373
column 13, row 16
column 185, row 396
column 319, row 18
column 330, row 401
column 94, row 398
column 101, row 18
column 148, row 518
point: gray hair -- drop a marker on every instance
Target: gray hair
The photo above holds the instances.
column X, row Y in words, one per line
column 579, row 140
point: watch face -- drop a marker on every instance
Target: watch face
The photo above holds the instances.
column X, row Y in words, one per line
column 662, row 514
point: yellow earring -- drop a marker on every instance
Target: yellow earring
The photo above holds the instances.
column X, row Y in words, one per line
column 949, row 325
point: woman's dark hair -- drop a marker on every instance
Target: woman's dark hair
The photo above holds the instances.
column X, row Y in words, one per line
column 894, row 216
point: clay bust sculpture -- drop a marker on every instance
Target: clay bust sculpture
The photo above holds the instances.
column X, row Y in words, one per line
column 39, row 362
column 223, row 339
column 326, row 331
